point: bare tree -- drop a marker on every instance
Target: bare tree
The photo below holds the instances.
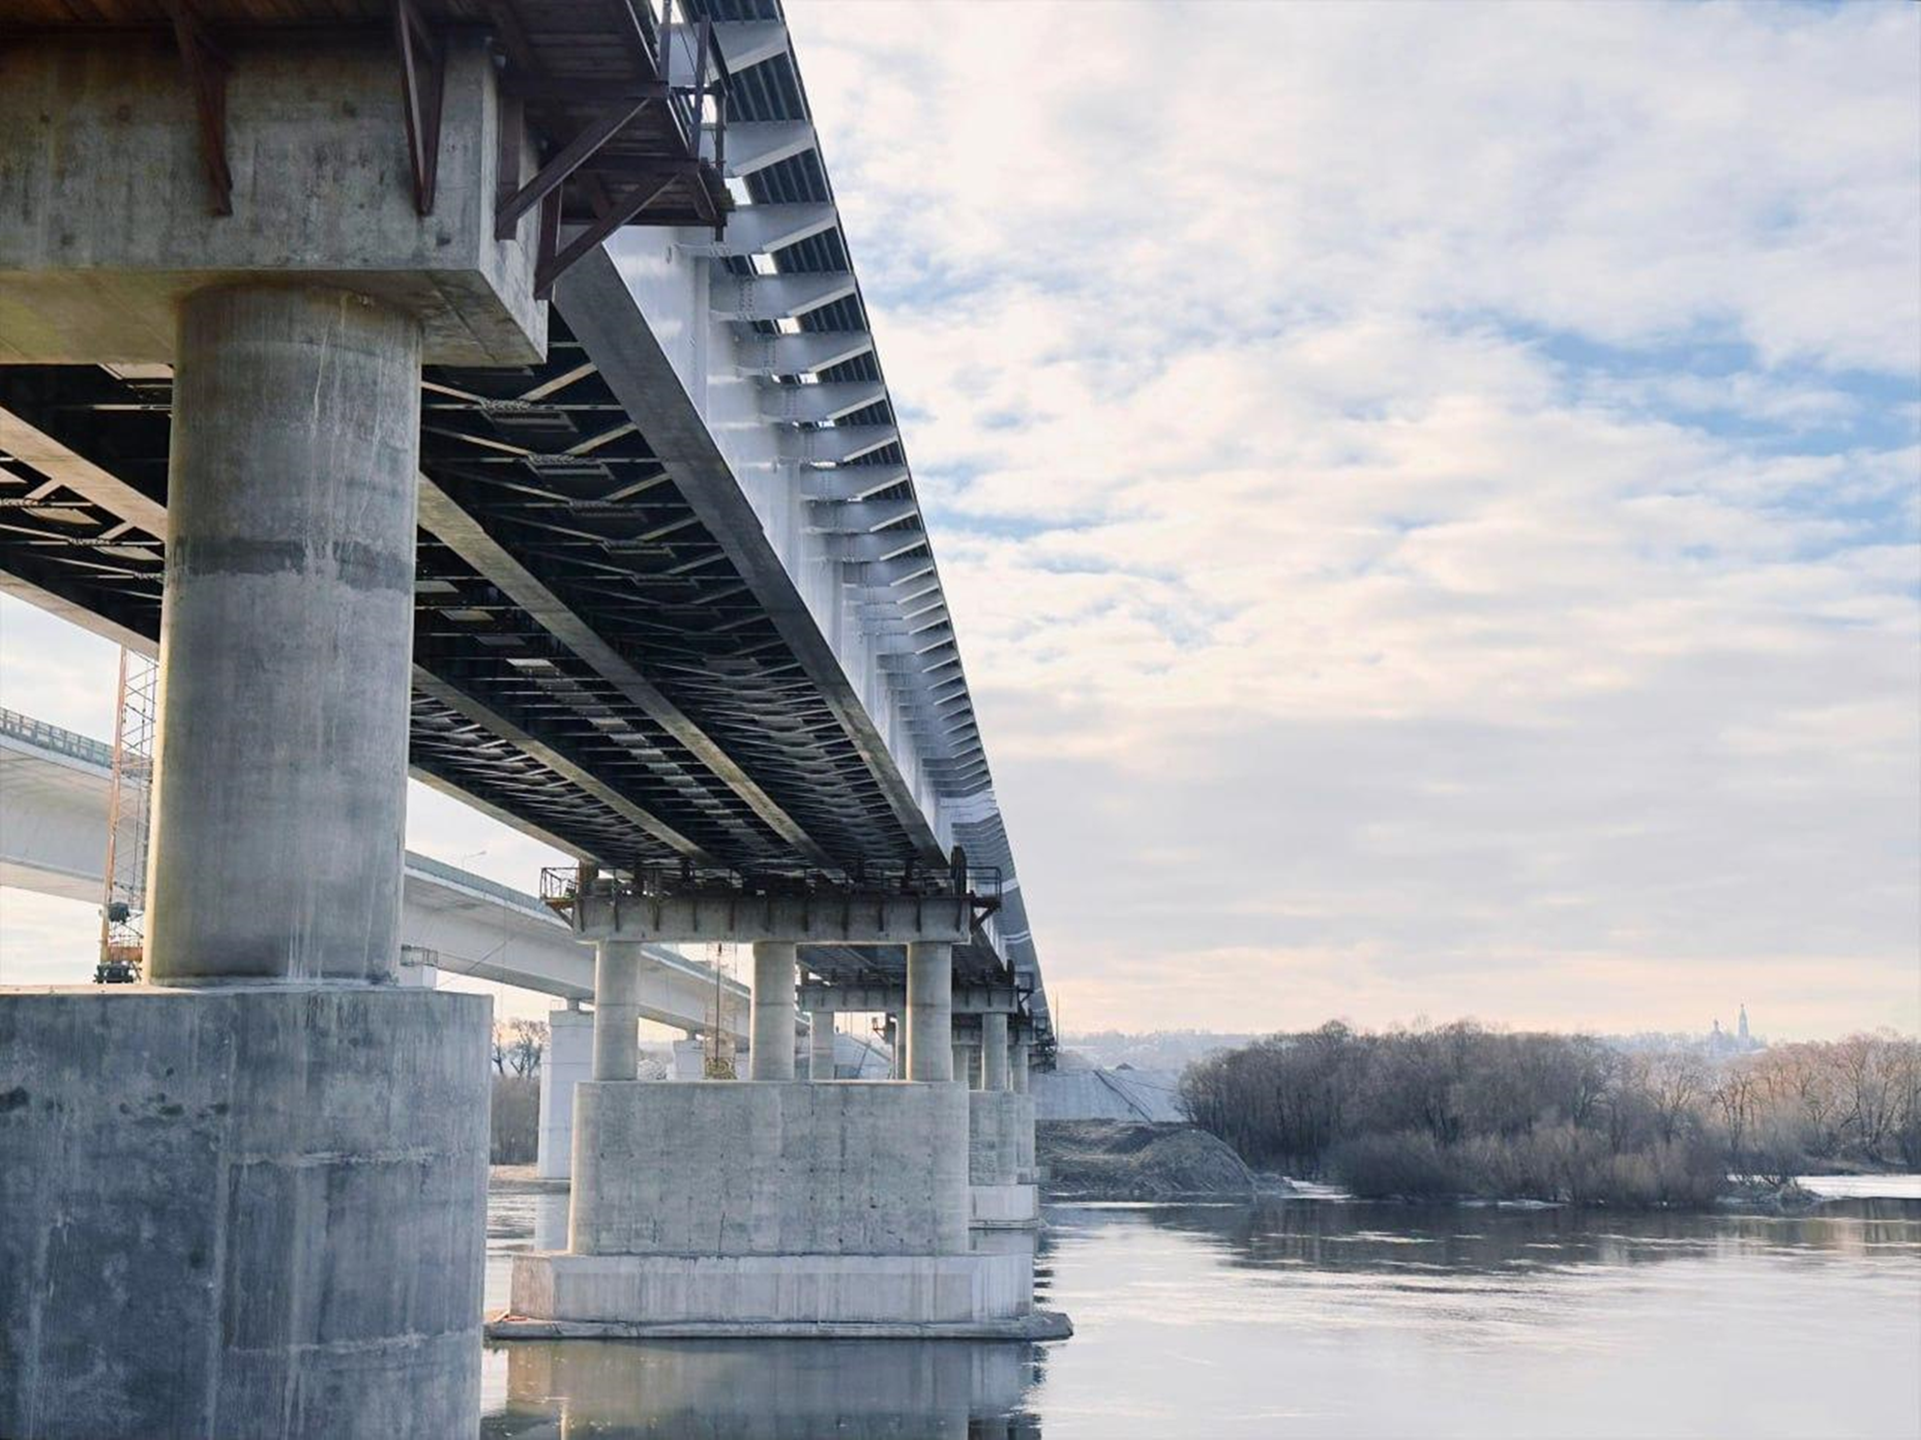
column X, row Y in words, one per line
column 527, row 1043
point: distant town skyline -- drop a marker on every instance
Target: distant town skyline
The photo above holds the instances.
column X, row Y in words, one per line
column 1427, row 498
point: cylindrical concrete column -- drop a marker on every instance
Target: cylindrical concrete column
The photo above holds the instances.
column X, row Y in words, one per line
column 279, row 809
column 617, row 1009
column 890, row 1032
column 930, row 1011
column 774, row 1012
column 963, row 1069
column 994, row 1052
column 1017, row 1067
column 820, row 1052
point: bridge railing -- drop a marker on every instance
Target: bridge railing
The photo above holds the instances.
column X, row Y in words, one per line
column 53, row 737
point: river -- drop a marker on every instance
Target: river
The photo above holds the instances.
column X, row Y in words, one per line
column 1322, row 1317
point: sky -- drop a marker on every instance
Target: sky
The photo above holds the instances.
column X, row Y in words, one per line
column 1430, row 498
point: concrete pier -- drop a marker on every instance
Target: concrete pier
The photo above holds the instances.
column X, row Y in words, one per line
column 930, row 1011
column 820, row 1043
column 774, row 1014
column 616, row 1010
column 568, row 1061
column 994, row 1052
column 249, row 1199
column 241, row 1210
column 280, row 792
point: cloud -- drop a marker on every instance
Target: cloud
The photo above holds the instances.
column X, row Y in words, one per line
column 1428, row 496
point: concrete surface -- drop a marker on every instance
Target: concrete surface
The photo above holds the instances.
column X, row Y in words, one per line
column 279, row 803
column 568, row 1061
column 794, row 1168
column 617, row 971
column 107, row 132
column 930, row 1013
column 995, row 1119
column 717, row 1295
column 241, row 1211
column 774, row 1017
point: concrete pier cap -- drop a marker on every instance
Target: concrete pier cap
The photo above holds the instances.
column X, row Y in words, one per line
column 105, row 224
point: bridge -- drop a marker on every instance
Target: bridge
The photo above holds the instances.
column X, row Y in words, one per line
column 53, row 836
column 482, row 390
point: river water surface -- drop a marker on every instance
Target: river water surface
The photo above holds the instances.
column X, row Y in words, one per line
column 1321, row 1317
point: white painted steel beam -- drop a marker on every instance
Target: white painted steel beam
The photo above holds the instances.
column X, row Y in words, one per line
column 777, row 297
column 753, row 146
column 763, row 229
column 802, row 404
column 849, row 482
column 856, row 517
column 804, row 354
column 836, row 444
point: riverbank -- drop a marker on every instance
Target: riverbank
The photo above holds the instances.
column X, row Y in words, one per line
column 1138, row 1160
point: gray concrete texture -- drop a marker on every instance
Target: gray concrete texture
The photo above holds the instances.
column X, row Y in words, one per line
column 930, row 1013
column 795, row 1168
column 280, row 788
column 241, row 1211
column 980, row 1294
column 105, row 219
column 774, row 1016
column 617, row 971
column 996, row 1119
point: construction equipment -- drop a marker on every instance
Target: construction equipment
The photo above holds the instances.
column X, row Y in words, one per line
column 717, row 1053
column 129, row 813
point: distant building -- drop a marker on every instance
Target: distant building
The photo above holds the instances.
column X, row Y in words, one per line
column 1741, row 1042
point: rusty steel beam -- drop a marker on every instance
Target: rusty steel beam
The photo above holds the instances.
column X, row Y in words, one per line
column 206, row 71
column 422, row 81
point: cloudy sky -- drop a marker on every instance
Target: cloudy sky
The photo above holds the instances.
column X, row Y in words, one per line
column 1430, row 496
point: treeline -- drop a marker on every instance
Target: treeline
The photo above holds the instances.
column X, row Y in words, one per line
column 1461, row 1110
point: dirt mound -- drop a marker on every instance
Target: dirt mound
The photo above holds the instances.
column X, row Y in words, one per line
column 1137, row 1160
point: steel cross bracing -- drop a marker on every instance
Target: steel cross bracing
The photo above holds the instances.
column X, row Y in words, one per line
column 591, row 664
column 565, row 483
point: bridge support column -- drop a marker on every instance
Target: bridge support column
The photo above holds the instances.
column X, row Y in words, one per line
column 930, row 1011
column 774, row 1012
column 994, row 1052
column 270, row 1165
column 820, row 1052
column 568, row 1061
column 890, row 1032
column 617, row 1009
column 1017, row 1063
column 279, row 810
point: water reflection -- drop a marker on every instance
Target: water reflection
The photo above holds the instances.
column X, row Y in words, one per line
column 769, row 1390
column 1320, row 1317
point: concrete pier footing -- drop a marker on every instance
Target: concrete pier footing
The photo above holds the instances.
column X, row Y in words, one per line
column 241, row 1211
column 773, row 1208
